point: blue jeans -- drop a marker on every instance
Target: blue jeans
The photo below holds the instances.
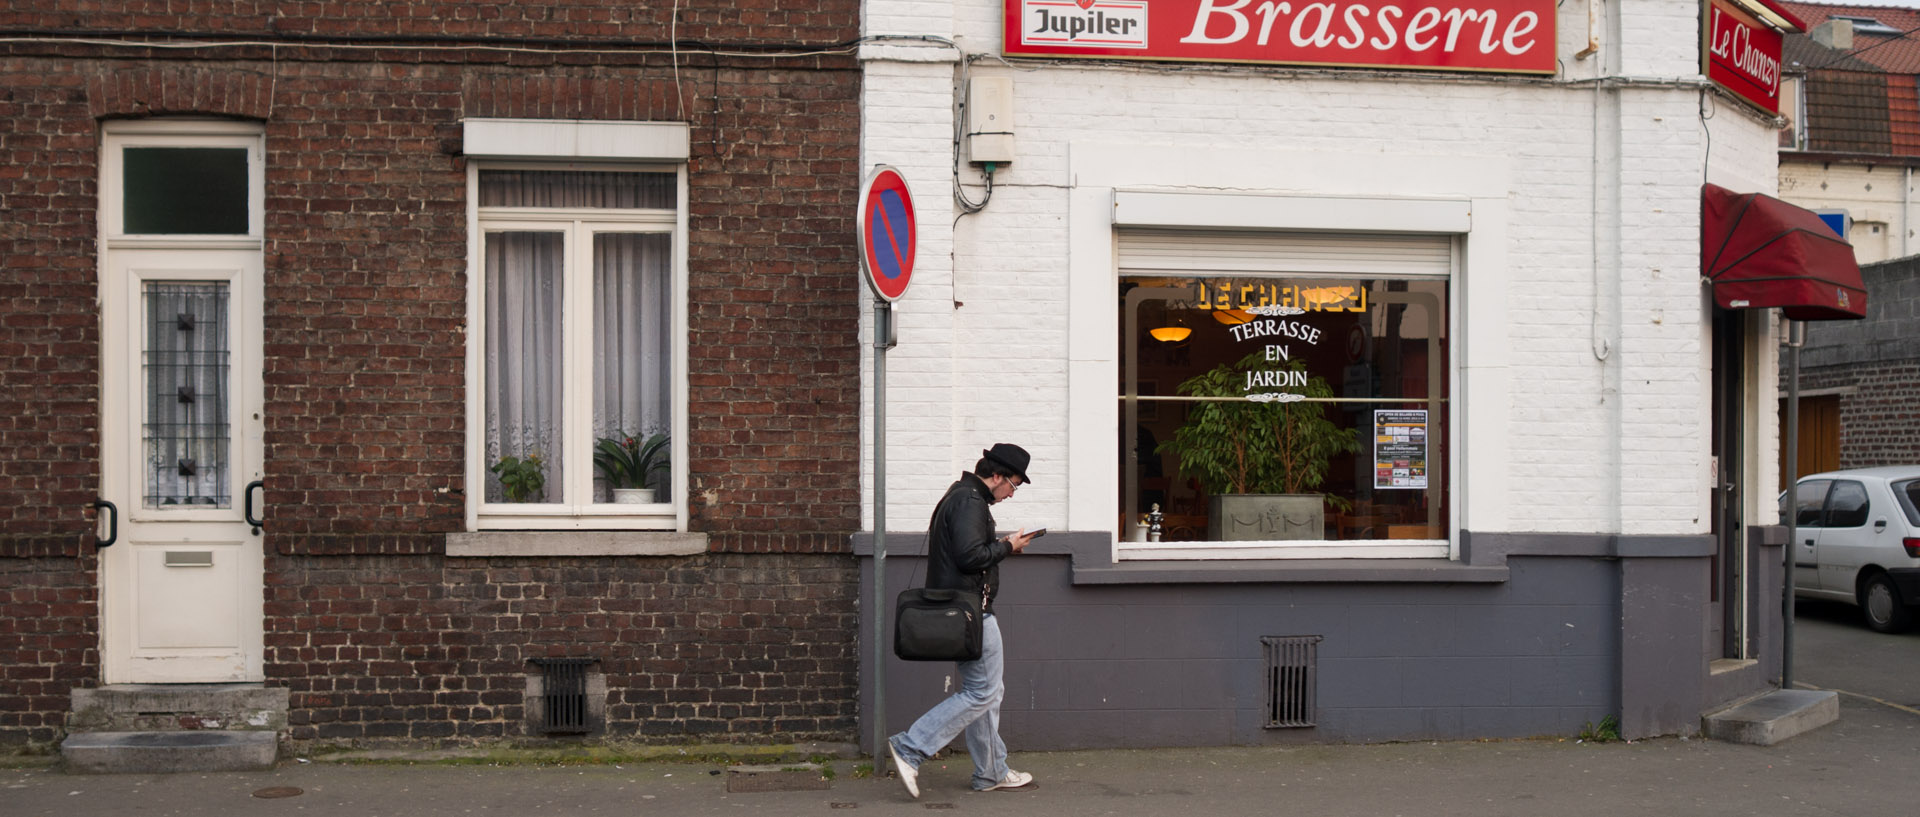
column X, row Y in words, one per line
column 975, row 709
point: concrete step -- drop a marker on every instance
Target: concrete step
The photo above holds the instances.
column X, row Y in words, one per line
column 158, row 728
column 162, row 707
column 1773, row 717
column 167, row 752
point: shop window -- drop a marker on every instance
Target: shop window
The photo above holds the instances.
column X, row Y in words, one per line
column 576, row 336
column 1264, row 405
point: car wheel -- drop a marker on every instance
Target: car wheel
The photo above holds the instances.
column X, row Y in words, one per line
column 1885, row 611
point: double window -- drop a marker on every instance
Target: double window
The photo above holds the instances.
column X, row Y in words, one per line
column 579, row 341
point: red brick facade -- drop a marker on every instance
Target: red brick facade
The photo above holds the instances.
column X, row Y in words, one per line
column 378, row 633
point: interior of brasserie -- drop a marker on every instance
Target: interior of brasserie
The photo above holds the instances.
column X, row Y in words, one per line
column 1331, row 388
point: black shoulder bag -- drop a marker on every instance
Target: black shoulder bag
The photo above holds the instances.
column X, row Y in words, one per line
column 937, row 625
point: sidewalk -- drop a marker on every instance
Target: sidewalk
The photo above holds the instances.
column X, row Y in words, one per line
column 1866, row 763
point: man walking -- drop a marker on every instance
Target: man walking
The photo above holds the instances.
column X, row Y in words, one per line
column 964, row 554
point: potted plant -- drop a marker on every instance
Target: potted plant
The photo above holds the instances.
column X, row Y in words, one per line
column 522, row 479
column 629, row 464
column 1260, row 458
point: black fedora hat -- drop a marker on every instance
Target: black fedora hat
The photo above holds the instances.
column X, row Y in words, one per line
column 1013, row 457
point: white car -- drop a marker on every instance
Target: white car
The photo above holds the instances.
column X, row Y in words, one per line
column 1858, row 540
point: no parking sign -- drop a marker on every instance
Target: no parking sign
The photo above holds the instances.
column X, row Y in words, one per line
column 888, row 232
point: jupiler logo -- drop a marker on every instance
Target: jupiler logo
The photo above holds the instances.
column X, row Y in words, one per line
column 1084, row 23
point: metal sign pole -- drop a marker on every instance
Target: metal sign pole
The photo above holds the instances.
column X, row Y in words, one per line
column 889, row 235
column 882, row 341
column 1796, row 335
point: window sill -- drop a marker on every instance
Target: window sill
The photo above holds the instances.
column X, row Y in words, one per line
column 575, row 543
column 1289, row 571
column 1287, row 551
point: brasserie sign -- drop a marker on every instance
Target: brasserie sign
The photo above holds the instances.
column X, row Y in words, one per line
column 1506, row 36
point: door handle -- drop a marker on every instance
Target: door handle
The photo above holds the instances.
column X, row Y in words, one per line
column 113, row 523
column 251, row 520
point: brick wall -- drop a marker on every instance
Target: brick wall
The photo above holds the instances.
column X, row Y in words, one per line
column 1874, row 364
column 1879, row 410
column 49, row 338
column 47, row 644
column 726, row 647
column 365, row 347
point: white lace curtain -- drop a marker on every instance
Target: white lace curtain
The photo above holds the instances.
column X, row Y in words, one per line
column 526, row 283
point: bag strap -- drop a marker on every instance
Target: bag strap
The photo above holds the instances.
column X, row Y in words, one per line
column 912, row 579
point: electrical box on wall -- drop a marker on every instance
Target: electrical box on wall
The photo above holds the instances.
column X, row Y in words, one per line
column 990, row 120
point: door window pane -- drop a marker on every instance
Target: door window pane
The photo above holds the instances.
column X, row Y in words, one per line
column 185, row 191
column 186, row 431
column 524, row 284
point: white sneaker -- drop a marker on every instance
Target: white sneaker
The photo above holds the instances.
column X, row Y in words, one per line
column 909, row 776
column 1013, row 780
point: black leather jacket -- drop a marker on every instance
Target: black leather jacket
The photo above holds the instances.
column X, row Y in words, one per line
column 962, row 551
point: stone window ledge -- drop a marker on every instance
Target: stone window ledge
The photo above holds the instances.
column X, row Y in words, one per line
column 575, row 543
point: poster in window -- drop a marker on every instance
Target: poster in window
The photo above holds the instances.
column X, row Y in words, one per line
column 1400, row 449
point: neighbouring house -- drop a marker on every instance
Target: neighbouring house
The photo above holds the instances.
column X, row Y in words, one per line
column 316, row 317
column 1859, row 380
column 1853, row 135
column 1850, row 154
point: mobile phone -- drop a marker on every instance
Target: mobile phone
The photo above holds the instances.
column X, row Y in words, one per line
column 1036, row 533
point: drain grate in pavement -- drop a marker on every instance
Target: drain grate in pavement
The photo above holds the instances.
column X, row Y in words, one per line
column 277, row 792
column 777, row 781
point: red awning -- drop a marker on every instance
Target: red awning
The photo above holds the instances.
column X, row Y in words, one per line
column 1762, row 252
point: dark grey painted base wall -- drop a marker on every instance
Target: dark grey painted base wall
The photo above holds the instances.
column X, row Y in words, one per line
column 1528, row 636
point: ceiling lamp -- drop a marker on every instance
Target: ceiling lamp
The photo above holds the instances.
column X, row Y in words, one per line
column 1170, row 334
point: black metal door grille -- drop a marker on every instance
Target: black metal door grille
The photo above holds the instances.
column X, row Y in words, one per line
column 1291, row 666
column 563, row 694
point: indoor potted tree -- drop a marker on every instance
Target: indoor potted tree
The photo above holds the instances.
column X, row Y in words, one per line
column 629, row 465
column 1261, row 458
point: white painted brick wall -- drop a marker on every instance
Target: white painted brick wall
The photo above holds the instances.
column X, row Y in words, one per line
column 1618, row 444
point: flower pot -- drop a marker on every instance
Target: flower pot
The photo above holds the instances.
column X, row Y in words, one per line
column 1266, row 517
column 632, row 496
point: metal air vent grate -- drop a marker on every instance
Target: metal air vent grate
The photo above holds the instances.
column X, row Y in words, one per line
column 563, row 695
column 1291, row 666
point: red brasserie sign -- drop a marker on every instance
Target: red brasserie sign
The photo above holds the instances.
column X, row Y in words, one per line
column 1742, row 55
column 1509, row 36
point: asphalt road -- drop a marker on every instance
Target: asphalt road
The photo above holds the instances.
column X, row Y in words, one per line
column 1867, row 763
column 1833, row 650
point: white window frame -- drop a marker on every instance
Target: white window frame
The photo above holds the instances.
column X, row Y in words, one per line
column 520, row 145
column 180, row 133
column 1127, row 185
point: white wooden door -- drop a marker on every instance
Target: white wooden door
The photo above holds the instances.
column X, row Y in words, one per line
column 182, row 589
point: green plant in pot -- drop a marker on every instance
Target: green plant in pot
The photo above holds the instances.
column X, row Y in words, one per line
column 1260, row 461
column 630, row 465
column 522, row 479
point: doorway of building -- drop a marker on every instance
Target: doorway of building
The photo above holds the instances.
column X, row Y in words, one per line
column 181, row 298
column 1728, row 592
